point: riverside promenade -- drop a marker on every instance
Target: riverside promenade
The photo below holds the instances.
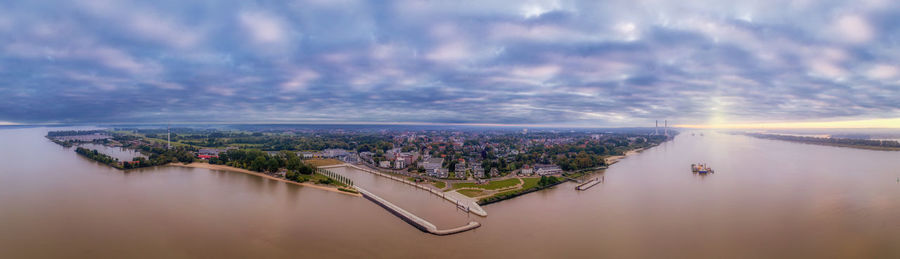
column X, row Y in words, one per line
column 469, row 205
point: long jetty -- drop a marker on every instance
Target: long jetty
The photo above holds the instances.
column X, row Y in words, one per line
column 414, row 220
column 467, row 205
column 588, row 184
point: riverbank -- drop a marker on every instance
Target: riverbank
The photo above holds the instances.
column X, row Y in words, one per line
column 245, row 171
column 615, row 159
column 867, row 144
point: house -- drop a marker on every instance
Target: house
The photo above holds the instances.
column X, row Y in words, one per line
column 478, row 171
column 460, row 171
column 546, row 169
column 399, row 164
column 407, row 157
column 384, row 164
column 207, row 156
column 439, row 172
column 526, row 170
column 495, row 172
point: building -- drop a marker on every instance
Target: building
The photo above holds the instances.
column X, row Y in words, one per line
column 526, row 170
column 384, row 164
column 432, row 163
column 399, row 164
column 478, row 171
column 408, row 158
column 547, row 169
column 308, row 154
column 213, row 151
column 439, row 172
column 460, row 171
column 495, row 172
column 334, row 153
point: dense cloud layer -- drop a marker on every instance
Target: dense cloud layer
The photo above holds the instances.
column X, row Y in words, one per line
column 610, row 63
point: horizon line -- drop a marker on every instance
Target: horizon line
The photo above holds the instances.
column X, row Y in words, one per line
column 893, row 123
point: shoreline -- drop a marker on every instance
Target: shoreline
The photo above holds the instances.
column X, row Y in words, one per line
column 802, row 140
column 615, row 159
column 245, row 171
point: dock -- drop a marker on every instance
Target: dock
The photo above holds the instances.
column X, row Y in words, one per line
column 467, row 205
column 414, row 220
column 588, row 184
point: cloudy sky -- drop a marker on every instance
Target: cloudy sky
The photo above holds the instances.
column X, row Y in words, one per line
column 603, row 63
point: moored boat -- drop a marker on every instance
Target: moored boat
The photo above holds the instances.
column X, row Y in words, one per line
column 701, row 168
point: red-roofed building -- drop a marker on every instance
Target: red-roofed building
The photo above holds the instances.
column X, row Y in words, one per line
column 207, row 156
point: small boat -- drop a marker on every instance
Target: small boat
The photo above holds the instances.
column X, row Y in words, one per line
column 701, row 168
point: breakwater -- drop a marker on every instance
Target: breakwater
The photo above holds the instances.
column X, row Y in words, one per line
column 468, row 205
column 414, row 220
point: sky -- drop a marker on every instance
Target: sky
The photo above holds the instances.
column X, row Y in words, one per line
column 588, row 63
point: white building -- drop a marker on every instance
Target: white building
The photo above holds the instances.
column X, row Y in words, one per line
column 432, row 163
column 547, row 169
column 526, row 170
column 384, row 164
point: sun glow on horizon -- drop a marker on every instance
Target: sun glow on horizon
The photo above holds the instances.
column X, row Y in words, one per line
column 850, row 124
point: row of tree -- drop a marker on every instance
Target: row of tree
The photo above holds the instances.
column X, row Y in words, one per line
column 256, row 160
column 833, row 141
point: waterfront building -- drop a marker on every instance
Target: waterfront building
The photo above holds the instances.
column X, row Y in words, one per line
column 526, row 170
column 547, row 169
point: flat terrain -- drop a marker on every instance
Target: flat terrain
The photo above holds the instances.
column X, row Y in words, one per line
column 323, row 162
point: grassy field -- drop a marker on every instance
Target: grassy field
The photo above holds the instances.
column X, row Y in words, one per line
column 489, row 186
column 530, row 182
column 322, row 162
column 470, row 192
column 439, row 185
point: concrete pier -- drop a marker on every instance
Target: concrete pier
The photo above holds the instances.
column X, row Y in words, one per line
column 588, row 184
column 465, row 204
column 414, row 220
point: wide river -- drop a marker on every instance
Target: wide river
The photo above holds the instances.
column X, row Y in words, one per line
column 767, row 199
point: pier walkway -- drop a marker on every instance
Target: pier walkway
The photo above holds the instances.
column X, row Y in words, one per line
column 414, row 220
column 464, row 203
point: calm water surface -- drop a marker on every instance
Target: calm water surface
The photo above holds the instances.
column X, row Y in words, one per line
column 767, row 199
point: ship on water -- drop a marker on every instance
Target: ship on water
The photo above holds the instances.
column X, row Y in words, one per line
column 701, row 168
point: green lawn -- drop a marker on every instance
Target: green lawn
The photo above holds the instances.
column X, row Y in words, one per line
column 489, row 186
column 530, row 182
column 470, row 192
column 323, row 162
column 439, row 185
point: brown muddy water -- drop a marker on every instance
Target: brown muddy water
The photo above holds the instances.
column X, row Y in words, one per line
column 767, row 199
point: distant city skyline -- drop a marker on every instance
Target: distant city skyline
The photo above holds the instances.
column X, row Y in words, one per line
column 701, row 64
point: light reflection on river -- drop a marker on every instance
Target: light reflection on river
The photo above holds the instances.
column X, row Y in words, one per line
column 767, row 199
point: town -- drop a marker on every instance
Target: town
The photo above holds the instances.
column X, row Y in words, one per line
column 461, row 159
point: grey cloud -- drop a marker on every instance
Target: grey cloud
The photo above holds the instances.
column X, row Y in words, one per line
column 604, row 63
